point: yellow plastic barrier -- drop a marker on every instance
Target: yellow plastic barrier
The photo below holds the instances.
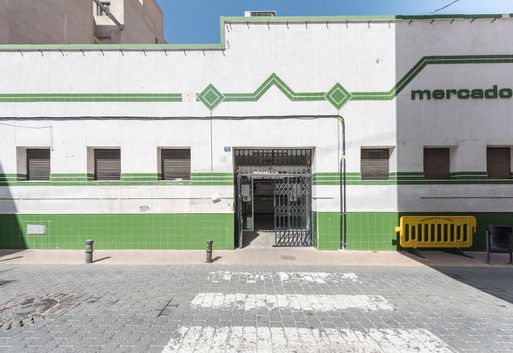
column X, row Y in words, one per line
column 436, row 231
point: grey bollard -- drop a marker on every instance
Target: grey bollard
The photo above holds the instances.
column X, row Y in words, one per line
column 89, row 251
column 209, row 251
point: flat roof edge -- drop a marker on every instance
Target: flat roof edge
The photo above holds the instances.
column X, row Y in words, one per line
column 237, row 19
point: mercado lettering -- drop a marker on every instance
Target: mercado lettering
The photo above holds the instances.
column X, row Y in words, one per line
column 462, row 93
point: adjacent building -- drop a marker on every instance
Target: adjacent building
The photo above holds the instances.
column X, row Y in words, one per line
column 80, row 22
column 315, row 131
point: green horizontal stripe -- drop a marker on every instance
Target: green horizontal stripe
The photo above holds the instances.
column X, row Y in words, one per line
column 405, row 178
column 212, row 174
column 91, row 97
column 65, row 179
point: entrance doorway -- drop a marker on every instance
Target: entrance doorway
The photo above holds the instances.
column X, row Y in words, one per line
column 273, row 190
column 258, row 212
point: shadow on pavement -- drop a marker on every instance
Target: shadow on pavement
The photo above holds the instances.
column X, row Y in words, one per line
column 495, row 279
column 103, row 258
column 10, row 258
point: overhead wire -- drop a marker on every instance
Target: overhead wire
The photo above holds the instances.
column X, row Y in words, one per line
column 444, row 7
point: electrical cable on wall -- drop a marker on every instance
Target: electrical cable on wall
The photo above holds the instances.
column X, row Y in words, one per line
column 36, row 128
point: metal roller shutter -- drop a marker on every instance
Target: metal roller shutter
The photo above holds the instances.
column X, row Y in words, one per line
column 176, row 164
column 436, row 163
column 375, row 163
column 107, row 164
column 38, row 164
column 498, row 162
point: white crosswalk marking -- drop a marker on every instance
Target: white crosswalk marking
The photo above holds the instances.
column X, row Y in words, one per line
column 249, row 341
column 278, row 340
column 219, row 342
column 307, row 277
column 235, row 339
column 312, row 302
column 264, row 338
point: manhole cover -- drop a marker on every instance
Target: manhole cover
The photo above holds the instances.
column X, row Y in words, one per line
column 17, row 313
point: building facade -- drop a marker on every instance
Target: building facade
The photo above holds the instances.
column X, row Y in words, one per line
column 323, row 131
column 142, row 20
column 80, row 22
column 46, row 22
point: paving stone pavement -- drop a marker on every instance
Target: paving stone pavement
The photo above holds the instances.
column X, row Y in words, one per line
column 218, row 308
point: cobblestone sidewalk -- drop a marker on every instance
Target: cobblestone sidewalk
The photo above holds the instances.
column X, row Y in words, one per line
column 66, row 308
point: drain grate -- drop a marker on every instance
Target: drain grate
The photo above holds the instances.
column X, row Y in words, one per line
column 288, row 257
column 19, row 313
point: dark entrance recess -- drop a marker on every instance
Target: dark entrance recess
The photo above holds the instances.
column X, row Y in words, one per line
column 273, row 188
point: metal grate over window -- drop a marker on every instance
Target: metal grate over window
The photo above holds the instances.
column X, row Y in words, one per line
column 295, row 161
column 176, row 164
column 498, row 162
column 436, row 163
column 107, row 164
column 375, row 163
column 38, row 164
column 99, row 10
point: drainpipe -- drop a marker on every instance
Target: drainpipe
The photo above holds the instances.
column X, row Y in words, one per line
column 342, row 186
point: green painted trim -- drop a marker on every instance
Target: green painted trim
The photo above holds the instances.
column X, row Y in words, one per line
column 237, row 19
column 84, row 179
column 90, row 97
column 231, row 175
column 338, row 95
column 406, row 178
column 7, row 177
column 139, row 177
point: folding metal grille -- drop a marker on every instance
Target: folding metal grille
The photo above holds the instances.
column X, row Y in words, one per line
column 292, row 211
column 283, row 161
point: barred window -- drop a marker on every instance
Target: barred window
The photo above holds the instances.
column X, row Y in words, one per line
column 375, row 163
column 99, row 10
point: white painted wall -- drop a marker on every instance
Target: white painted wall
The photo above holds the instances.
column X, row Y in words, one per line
column 309, row 58
column 115, row 199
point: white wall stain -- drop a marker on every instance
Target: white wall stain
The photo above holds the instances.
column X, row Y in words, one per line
column 292, row 339
column 313, row 302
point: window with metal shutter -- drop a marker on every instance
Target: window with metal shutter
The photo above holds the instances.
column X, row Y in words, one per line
column 38, row 164
column 436, row 163
column 176, row 164
column 107, row 164
column 375, row 163
column 498, row 162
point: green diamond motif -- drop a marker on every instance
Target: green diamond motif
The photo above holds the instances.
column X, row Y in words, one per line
column 211, row 97
column 338, row 95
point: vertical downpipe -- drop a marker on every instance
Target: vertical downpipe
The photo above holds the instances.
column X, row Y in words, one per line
column 211, row 144
column 342, row 182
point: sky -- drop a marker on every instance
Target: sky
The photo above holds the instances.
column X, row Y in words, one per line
column 197, row 21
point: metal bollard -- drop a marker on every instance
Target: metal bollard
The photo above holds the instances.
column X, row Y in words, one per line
column 89, row 251
column 209, row 251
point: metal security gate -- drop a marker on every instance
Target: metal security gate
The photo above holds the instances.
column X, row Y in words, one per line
column 290, row 169
column 292, row 211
